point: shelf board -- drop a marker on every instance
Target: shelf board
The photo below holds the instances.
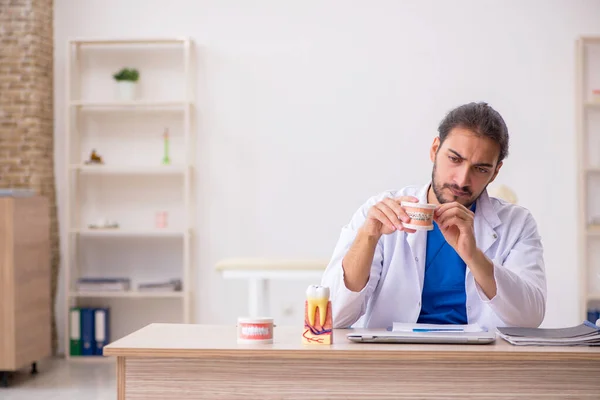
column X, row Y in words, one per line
column 129, row 232
column 593, row 170
column 593, row 230
column 128, row 294
column 590, row 39
column 143, row 104
column 592, row 104
column 129, row 169
column 122, row 41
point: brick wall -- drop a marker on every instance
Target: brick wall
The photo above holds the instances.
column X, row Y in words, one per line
column 26, row 106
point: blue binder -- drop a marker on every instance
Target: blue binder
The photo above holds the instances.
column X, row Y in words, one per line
column 101, row 329
column 87, row 332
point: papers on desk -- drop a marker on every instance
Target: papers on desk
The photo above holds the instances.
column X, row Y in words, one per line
column 586, row 334
column 408, row 327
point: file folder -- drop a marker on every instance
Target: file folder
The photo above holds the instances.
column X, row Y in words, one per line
column 87, row 332
column 75, row 331
column 101, row 328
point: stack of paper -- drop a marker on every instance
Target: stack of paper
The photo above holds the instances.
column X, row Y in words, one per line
column 408, row 327
column 102, row 284
column 172, row 285
column 586, row 334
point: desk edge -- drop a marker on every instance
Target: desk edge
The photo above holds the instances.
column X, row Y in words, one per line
column 446, row 355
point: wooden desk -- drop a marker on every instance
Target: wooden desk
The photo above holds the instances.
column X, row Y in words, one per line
column 258, row 272
column 175, row 361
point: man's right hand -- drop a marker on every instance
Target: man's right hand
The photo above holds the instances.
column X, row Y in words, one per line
column 386, row 217
column 382, row 219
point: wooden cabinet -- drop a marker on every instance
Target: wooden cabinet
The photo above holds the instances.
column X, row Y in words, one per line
column 25, row 301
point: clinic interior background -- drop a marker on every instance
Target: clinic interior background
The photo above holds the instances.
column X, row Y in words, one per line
column 305, row 109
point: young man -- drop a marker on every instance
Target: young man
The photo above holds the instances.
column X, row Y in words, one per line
column 482, row 263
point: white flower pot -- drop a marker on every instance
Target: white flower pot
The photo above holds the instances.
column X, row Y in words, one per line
column 126, row 90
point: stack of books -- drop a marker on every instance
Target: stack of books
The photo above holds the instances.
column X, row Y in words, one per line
column 586, row 334
column 170, row 286
column 103, row 284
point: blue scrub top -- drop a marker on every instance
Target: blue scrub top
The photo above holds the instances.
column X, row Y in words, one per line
column 444, row 296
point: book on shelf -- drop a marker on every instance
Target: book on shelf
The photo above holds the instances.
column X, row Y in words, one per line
column 174, row 285
column 103, row 284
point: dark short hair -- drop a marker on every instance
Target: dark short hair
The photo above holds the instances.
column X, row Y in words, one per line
column 479, row 118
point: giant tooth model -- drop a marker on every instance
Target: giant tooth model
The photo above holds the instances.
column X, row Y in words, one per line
column 318, row 321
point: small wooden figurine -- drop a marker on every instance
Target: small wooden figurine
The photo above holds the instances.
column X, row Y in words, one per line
column 318, row 322
column 94, row 158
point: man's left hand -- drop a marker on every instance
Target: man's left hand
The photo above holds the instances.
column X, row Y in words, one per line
column 456, row 224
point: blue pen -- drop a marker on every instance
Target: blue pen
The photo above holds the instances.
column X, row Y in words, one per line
column 591, row 324
column 437, row 330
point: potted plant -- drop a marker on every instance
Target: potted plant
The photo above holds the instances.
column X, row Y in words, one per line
column 127, row 83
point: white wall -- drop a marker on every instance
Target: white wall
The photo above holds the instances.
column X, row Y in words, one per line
column 307, row 108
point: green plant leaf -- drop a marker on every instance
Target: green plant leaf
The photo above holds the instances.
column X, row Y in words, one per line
column 127, row 74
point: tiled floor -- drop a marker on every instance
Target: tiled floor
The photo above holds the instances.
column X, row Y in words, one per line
column 59, row 379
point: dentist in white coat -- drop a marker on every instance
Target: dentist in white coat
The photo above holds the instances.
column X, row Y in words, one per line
column 484, row 266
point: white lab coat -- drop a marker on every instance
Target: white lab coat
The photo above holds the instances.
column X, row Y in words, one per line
column 506, row 233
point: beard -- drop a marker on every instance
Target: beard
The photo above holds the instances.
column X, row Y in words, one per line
column 439, row 187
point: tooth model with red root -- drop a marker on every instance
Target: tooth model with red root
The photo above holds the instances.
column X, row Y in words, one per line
column 317, row 316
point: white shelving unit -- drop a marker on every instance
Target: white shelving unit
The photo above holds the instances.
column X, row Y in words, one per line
column 588, row 156
column 133, row 184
